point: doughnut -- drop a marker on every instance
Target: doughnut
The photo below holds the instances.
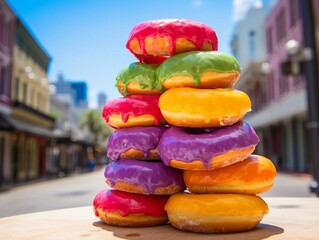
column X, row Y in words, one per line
column 138, row 79
column 132, row 111
column 254, row 175
column 129, row 209
column 199, row 69
column 215, row 213
column 144, row 177
column 135, row 143
column 207, row 148
column 203, row 108
column 152, row 41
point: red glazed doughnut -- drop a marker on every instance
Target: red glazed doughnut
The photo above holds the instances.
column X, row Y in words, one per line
column 207, row 148
column 132, row 111
column 152, row 41
column 144, row 177
column 254, row 175
column 129, row 209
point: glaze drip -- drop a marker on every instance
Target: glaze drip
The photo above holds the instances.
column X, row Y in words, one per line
column 149, row 175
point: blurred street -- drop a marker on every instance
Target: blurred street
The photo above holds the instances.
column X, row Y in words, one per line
column 80, row 190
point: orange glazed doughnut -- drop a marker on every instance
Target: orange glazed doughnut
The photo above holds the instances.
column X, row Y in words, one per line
column 203, row 108
column 153, row 41
column 199, row 69
column 133, row 111
column 214, row 213
column 129, row 209
column 254, row 175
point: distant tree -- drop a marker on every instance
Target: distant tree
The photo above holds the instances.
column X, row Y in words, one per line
column 93, row 120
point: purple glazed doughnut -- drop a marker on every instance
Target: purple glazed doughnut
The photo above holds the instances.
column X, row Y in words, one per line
column 207, row 148
column 134, row 143
column 144, row 177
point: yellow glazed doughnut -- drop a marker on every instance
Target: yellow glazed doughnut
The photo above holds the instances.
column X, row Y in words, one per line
column 202, row 108
column 213, row 213
column 254, row 175
column 199, row 69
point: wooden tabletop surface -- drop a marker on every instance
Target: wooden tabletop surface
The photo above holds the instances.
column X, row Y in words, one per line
column 288, row 218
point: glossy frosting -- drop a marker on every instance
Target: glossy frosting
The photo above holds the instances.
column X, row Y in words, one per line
column 254, row 175
column 188, row 145
column 133, row 105
column 129, row 203
column 138, row 138
column 143, row 74
column 149, row 175
column 195, row 32
column 191, row 107
column 195, row 64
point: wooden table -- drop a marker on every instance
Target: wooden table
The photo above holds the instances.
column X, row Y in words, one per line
column 288, row 218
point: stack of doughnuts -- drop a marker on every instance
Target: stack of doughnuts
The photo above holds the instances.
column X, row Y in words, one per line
column 181, row 151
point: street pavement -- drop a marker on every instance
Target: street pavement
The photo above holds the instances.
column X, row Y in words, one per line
column 80, row 190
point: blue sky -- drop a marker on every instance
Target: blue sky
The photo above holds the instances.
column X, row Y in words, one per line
column 86, row 38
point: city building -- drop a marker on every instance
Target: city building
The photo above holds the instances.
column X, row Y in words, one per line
column 80, row 94
column 7, row 26
column 279, row 110
column 72, row 92
column 30, row 125
column 248, row 43
column 101, row 100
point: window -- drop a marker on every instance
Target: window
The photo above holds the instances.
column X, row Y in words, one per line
column 269, row 39
column 25, row 92
column 252, row 45
column 4, row 80
column 294, row 12
column 17, row 87
column 281, row 25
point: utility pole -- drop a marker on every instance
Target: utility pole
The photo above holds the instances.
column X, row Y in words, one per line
column 310, row 65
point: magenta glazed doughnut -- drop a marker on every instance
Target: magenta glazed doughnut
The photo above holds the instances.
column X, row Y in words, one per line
column 207, row 148
column 135, row 143
column 144, row 177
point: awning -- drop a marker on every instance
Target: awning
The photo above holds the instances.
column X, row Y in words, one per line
column 13, row 124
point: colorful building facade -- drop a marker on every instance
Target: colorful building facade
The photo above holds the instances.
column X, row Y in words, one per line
column 7, row 26
column 279, row 111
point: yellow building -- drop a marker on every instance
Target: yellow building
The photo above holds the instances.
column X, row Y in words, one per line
column 29, row 120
